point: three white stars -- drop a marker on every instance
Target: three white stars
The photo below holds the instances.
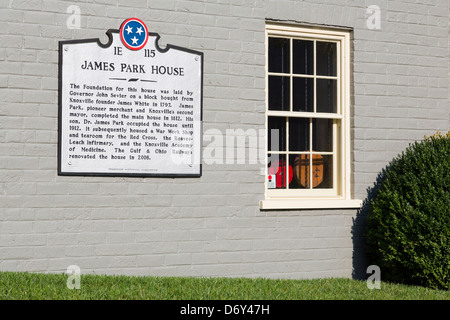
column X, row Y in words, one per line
column 138, row 31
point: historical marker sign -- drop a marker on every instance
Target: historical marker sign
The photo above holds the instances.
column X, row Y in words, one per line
column 129, row 108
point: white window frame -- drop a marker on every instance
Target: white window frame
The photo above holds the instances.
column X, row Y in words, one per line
column 340, row 195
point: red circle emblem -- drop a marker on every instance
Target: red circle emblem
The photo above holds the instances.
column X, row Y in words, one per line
column 134, row 34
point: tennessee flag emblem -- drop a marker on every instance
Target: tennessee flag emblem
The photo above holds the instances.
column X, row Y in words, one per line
column 133, row 33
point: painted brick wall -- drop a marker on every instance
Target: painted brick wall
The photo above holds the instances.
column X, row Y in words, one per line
column 210, row 226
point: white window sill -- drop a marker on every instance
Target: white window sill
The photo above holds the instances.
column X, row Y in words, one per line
column 309, row 204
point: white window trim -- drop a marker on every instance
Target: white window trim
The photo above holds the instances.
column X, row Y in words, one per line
column 300, row 203
column 344, row 199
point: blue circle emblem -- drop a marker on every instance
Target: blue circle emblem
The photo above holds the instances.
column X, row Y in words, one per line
column 134, row 34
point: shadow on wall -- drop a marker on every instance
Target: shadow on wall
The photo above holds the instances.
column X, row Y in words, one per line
column 360, row 260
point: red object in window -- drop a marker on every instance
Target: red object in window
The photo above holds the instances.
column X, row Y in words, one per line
column 278, row 168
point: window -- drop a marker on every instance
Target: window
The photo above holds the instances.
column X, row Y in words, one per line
column 307, row 118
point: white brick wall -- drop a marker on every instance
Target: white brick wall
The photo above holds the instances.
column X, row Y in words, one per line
column 209, row 226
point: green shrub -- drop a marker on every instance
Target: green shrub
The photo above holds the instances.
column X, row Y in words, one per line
column 408, row 221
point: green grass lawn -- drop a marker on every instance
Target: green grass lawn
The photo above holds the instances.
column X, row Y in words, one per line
column 19, row 286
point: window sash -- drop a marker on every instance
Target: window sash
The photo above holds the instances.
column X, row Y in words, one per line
column 301, row 114
column 314, row 76
column 335, row 153
column 340, row 130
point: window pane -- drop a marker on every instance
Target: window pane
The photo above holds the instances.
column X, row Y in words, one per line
column 326, row 95
column 322, row 135
column 298, row 134
column 326, row 58
column 300, row 165
column 279, row 49
column 322, row 176
column 303, row 95
column 276, row 173
column 279, row 93
column 277, row 134
column 303, row 58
